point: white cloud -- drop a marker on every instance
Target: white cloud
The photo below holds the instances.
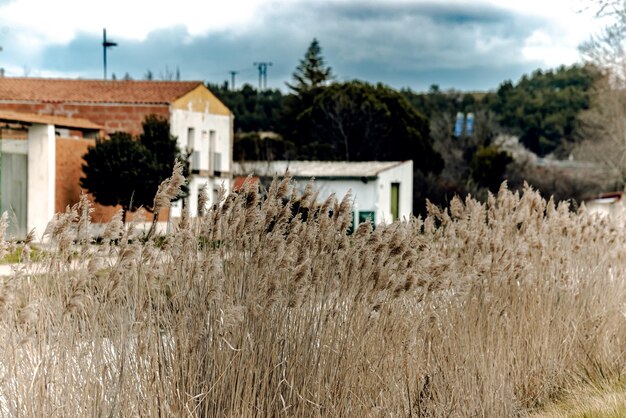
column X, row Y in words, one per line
column 375, row 39
column 59, row 21
column 541, row 46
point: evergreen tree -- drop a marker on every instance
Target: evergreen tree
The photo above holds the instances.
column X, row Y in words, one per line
column 312, row 71
column 488, row 167
column 115, row 172
column 543, row 107
column 127, row 171
column 164, row 151
column 254, row 110
column 357, row 121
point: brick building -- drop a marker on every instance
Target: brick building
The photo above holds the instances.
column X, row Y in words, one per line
column 197, row 118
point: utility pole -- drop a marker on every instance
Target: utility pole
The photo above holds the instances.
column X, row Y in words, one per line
column 262, row 67
column 106, row 44
column 232, row 79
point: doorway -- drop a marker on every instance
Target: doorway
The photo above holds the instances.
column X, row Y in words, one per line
column 13, row 192
column 395, row 201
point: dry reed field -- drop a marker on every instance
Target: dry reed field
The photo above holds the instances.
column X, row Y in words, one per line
column 488, row 310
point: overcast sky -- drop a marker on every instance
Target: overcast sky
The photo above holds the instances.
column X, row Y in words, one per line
column 468, row 45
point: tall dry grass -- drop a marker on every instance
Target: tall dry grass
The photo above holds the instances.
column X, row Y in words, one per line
column 478, row 310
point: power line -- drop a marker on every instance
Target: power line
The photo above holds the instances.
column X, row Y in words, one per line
column 262, row 67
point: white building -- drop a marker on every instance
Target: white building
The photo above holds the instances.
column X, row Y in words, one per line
column 63, row 110
column 607, row 204
column 381, row 190
column 208, row 134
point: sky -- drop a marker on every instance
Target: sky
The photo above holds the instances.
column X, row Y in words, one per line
column 465, row 45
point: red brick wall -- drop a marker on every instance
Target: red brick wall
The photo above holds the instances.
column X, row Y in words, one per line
column 126, row 118
column 69, row 155
column 69, row 160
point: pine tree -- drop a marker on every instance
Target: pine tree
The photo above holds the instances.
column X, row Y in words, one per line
column 312, row 71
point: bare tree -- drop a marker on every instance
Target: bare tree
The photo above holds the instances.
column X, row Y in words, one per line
column 457, row 152
column 607, row 48
column 167, row 74
column 603, row 126
column 603, row 130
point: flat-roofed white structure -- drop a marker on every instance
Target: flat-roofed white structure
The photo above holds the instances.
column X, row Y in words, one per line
column 381, row 190
column 607, row 204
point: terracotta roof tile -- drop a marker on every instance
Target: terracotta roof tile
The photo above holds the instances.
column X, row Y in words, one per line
column 94, row 91
column 60, row 121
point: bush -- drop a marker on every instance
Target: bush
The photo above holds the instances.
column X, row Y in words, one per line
column 489, row 166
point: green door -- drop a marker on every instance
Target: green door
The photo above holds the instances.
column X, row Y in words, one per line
column 395, row 201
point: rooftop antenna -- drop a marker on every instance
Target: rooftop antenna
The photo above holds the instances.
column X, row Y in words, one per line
column 106, row 44
column 232, row 78
column 262, row 66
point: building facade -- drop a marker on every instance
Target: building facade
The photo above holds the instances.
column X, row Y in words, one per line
column 197, row 118
column 382, row 191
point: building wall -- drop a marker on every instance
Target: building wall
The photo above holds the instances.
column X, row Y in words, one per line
column 40, row 187
column 202, row 110
column 402, row 174
column 201, row 100
column 203, row 124
column 68, row 168
column 196, row 182
column 69, row 159
column 114, row 117
column 364, row 194
column 373, row 195
column 199, row 109
column 203, row 164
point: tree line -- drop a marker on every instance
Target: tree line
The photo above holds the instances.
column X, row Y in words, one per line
column 541, row 108
column 321, row 118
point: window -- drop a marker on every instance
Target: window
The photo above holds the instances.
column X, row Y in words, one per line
column 212, row 140
column 195, row 161
column 191, row 137
column 217, row 162
column 367, row 215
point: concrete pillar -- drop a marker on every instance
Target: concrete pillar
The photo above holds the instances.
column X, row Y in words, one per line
column 41, row 177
